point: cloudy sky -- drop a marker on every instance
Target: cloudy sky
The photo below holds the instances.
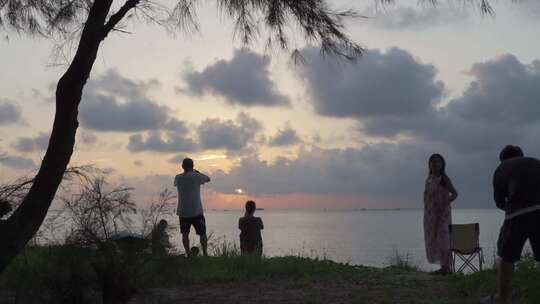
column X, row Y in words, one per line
column 324, row 134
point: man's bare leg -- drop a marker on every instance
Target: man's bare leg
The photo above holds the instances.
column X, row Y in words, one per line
column 504, row 279
column 204, row 244
column 185, row 242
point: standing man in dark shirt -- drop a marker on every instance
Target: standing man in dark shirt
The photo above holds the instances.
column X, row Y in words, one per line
column 516, row 184
column 250, row 227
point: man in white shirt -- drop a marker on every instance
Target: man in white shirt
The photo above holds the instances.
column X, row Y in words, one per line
column 190, row 210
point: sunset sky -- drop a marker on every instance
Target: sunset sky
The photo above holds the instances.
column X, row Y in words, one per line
column 324, row 134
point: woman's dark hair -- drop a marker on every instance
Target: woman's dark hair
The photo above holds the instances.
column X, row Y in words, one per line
column 510, row 152
column 250, row 207
column 443, row 169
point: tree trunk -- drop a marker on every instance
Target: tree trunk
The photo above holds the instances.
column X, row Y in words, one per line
column 22, row 225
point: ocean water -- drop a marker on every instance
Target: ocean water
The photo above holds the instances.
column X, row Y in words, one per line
column 361, row 237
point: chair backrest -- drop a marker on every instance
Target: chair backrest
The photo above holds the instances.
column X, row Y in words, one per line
column 464, row 238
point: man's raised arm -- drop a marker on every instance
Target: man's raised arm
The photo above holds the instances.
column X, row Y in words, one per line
column 203, row 177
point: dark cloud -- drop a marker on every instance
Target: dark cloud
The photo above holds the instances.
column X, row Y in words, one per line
column 215, row 133
column 243, row 80
column 112, row 82
column 105, row 114
column 379, row 172
column 382, row 173
column 285, row 137
column 504, row 91
column 17, row 162
column 380, row 85
column 116, row 103
column 175, row 125
column 158, row 142
column 31, row 144
column 10, row 112
column 212, row 133
column 500, row 106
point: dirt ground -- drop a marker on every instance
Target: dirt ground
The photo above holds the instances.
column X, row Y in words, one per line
column 407, row 288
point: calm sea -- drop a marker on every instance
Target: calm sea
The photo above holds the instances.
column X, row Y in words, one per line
column 366, row 237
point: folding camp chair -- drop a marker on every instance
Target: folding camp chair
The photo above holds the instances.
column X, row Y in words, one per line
column 465, row 246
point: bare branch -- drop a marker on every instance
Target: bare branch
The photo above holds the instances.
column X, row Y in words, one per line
column 13, row 192
column 119, row 15
column 97, row 212
column 155, row 211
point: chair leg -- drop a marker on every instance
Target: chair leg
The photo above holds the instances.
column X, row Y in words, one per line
column 453, row 262
column 481, row 259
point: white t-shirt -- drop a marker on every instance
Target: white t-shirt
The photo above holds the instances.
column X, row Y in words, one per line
column 188, row 185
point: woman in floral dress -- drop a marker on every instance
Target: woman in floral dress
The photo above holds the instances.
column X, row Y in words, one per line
column 438, row 194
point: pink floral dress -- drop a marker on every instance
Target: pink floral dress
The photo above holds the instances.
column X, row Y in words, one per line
column 437, row 217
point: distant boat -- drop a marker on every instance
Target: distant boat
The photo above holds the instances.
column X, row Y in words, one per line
column 260, row 209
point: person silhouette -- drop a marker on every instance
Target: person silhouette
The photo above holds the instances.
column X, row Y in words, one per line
column 160, row 238
column 438, row 194
column 250, row 231
column 516, row 191
column 190, row 210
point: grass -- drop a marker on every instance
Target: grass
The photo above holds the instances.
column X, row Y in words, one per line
column 525, row 283
column 179, row 269
column 42, row 273
column 67, row 274
column 402, row 261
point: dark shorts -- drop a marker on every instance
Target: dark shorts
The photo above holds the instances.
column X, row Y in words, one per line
column 251, row 248
column 198, row 222
column 515, row 232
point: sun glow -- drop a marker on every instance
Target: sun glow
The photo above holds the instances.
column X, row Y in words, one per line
column 239, row 191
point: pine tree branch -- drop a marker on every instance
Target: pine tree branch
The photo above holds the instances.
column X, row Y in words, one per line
column 118, row 16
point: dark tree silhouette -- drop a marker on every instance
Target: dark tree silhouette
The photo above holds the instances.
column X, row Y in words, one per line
column 91, row 21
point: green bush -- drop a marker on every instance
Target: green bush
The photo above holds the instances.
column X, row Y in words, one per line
column 56, row 274
column 527, row 281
